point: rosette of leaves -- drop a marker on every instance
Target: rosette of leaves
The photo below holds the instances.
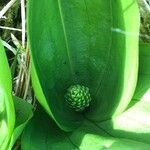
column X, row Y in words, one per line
column 84, row 73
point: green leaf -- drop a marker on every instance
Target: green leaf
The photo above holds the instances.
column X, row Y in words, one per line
column 46, row 135
column 83, row 42
column 129, row 130
column 143, row 86
column 23, row 115
column 135, row 122
column 7, row 112
column 14, row 112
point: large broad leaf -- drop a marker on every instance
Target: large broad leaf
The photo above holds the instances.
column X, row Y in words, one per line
column 83, row 42
column 135, row 122
column 23, row 115
column 130, row 130
column 46, row 135
column 7, row 112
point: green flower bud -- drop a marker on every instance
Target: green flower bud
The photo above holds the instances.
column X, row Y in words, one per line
column 78, row 97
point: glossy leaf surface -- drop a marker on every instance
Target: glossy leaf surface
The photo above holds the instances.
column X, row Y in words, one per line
column 7, row 112
column 43, row 130
column 23, row 115
column 82, row 42
column 136, row 120
column 129, row 130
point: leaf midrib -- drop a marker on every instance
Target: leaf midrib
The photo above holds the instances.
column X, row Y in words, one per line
column 65, row 36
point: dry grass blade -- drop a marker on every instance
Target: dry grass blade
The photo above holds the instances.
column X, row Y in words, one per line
column 23, row 16
column 6, row 8
column 10, row 28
